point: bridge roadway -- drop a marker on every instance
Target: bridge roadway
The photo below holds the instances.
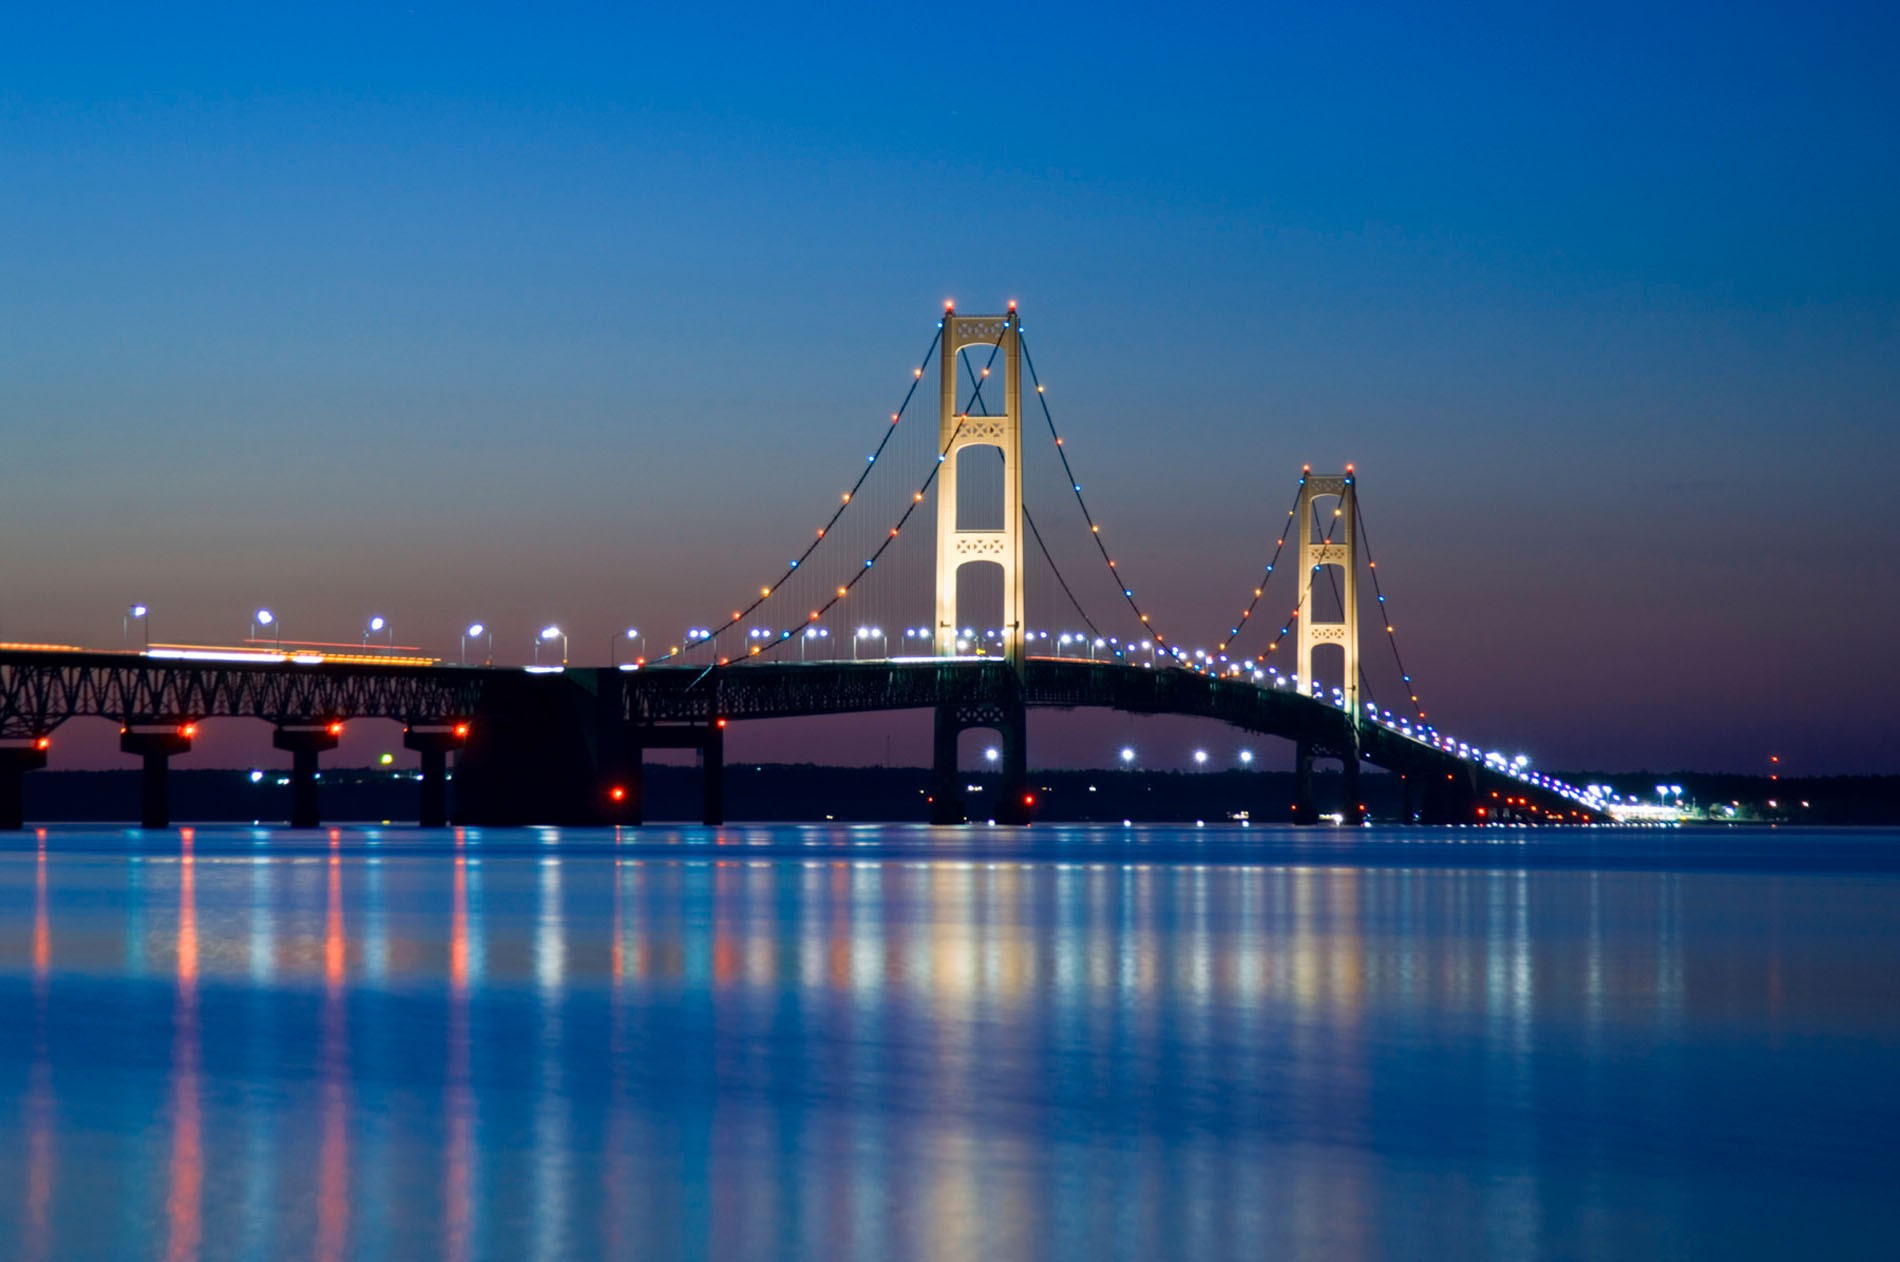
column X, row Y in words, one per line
column 568, row 747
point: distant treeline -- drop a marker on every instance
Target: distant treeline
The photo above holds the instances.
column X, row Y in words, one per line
column 805, row 792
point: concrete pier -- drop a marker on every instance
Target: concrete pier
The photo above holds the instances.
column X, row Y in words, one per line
column 156, row 746
column 304, row 744
column 16, row 759
column 435, row 744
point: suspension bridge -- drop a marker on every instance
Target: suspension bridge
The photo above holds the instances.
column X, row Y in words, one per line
column 564, row 744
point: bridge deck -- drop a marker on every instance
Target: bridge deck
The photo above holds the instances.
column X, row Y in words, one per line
column 41, row 689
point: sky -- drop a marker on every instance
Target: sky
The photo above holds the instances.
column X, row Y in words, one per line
column 586, row 315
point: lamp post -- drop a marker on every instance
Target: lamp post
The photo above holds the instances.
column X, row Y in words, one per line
column 475, row 631
column 376, row 626
column 613, row 645
column 811, row 633
column 869, row 633
column 1246, row 758
column 1128, row 757
column 265, row 618
column 140, row 614
column 550, row 633
column 1200, row 758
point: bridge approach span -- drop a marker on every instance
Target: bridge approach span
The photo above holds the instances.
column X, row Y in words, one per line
column 566, row 747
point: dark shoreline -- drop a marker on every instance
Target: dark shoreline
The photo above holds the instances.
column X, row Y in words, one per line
column 800, row 792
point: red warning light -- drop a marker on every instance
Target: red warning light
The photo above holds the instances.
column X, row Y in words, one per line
column 617, row 793
column 720, row 723
column 1029, row 799
column 336, row 729
column 461, row 730
column 43, row 743
column 188, row 730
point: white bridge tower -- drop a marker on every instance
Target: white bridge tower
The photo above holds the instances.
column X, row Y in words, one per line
column 1002, row 430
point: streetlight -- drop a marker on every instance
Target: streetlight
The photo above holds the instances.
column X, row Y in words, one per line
column 992, row 754
column 613, row 646
column 811, row 633
column 476, row 631
column 376, row 626
column 869, row 633
column 137, row 613
column 1246, row 758
column 1128, row 756
column 1200, row 757
column 265, row 618
column 550, row 633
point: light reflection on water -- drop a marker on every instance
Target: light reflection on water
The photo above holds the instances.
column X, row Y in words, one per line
column 890, row 1042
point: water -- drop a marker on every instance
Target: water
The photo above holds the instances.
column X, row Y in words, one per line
column 883, row 1042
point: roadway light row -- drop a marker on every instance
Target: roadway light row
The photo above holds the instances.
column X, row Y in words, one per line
column 266, row 621
column 1127, row 756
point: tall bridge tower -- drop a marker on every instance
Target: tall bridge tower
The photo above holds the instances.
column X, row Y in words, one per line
column 1001, row 545
column 957, row 430
column 1329, row 540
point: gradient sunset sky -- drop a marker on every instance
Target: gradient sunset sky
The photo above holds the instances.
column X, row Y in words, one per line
column 543, row 313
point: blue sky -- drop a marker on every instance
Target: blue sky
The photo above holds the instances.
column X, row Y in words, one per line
column 584, row 315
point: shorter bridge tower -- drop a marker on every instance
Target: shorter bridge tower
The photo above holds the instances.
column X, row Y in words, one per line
column 1329, row 540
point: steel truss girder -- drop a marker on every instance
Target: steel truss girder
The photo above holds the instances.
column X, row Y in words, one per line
column 40, row 691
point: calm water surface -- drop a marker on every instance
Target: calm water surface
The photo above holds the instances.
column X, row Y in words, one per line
column 883, row 1042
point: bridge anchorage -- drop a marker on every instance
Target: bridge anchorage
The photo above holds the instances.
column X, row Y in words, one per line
column 566, row 745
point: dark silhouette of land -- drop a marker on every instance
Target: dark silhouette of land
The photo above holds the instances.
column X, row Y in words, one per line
column 805, row 792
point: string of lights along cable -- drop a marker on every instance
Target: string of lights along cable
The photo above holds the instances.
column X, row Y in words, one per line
column 1149, row 628
column 824, row 531
column 760, row 642
column 1029, row 520
column 1266, row 577
column 1391, row 634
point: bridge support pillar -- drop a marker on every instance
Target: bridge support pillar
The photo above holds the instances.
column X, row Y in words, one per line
column 1354, row 807
column 946, row 794
column 434, row 745
column 626, row 774
column 156, row 748
column 623, row 765
column 1010, row 722
column 15, row 762
column 304, row 744
column 712, row 776
column 1304, row 810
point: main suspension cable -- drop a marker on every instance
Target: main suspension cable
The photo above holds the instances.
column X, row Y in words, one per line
column 1260, row 590
column 785, row 635
column 1095, row 531
column 1391, row 635
column 1095, row 632
column 766, row 592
